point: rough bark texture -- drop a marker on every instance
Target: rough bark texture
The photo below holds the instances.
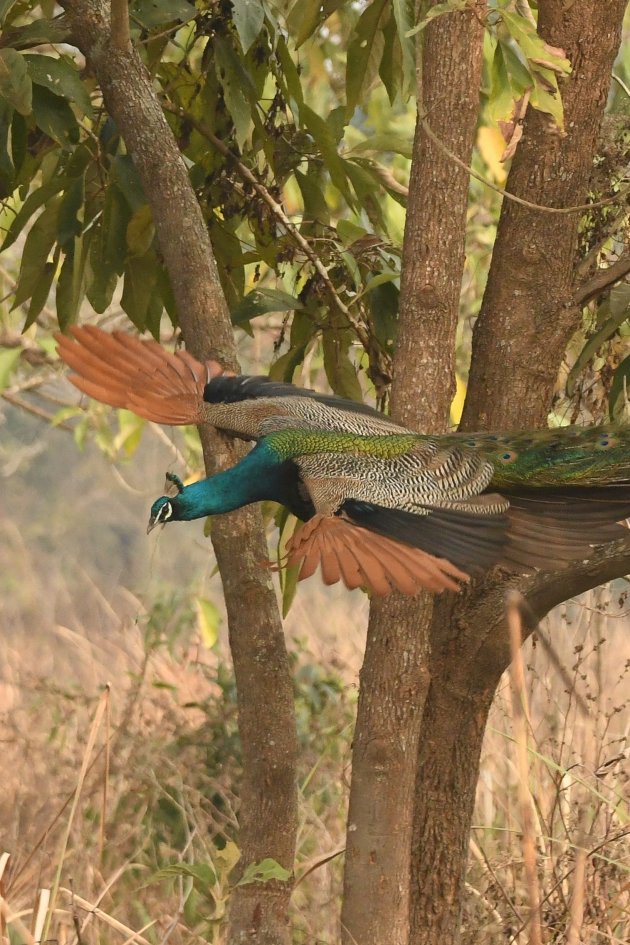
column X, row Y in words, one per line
column 528, row 304
column 393, row 682
column 265, row 698
column 526, row 320
column 394, row 677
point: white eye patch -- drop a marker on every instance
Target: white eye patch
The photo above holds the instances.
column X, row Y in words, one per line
column 165, row 513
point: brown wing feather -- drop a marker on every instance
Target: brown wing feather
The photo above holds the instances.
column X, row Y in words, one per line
column 358, row 557
column 138, row 374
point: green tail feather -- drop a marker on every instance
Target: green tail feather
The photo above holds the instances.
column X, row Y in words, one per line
column 567, row 456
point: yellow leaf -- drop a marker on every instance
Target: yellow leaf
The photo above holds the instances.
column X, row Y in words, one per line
column 208, row 619
column 491, row 146
column 457, row 404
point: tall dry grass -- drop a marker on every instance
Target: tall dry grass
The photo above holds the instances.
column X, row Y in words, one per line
column 100, row 828
column 123, row 835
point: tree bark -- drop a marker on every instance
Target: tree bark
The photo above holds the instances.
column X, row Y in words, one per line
column 526, row 320
column 394, row 677
column 268, row 820
column 528, row 303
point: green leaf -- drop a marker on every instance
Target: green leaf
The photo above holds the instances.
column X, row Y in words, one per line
column 69, row 225
column 391, row 67
column 9, row 357
column 520, row 77
column 340, row 370
column 290, row 579
column 140, row 231
column 41, row 289
column 263, row 872
column 228, row 857
column 533, row 46
column 19, row 141
column 138, row 291
column 248, row 16
column 262, row 301
column 620, row 385
column 382, row 299
column 381, row 278
column 123, row 173
column 289, row 76
column 284, row 368
column 367, row 188
column 325, row 140
column 316, row 209
column 403, row 14
column 303, row 20
column 202, row 873
column 37, row 247
column 15, row 83
column 37, row 33
column 501, row 99
column 32, row 203
column 544, row 64
column 5, row 6
column 72, row 282
column 55, row 117
column 7, row 170
column 450, row 6
column 349, row 232
column 384, row 143
column 153, row 13
column 61, row 77
column 595, row 342
column 365, row 52
column 108, row 250
column 236, row 84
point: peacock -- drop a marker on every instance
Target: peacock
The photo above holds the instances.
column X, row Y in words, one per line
column 384, row 508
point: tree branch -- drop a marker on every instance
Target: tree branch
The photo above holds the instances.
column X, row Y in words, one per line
column 544, row 591
column 121, row 36
column 602, row 279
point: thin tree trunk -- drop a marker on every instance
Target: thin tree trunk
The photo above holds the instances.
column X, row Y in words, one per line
column 394, row 677
column 268, row 821
column 527, row 315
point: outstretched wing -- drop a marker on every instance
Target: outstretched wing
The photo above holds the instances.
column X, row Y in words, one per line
column 360, row 558
column 174, row 388
column 139, row 375
column 402, row 522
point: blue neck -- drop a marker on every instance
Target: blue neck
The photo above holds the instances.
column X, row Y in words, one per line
column 260, row 476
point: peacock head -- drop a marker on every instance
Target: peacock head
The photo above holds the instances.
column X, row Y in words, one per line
column 169, row 508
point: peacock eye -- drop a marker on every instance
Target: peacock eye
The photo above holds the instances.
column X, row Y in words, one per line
column 165, row 513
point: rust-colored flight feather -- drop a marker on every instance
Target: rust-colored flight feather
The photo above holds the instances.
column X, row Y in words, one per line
column 137, row 374
column 361, row 558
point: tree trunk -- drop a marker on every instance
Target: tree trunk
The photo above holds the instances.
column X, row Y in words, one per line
column 268, row 821
column 394, row 676
column 393, row 682
column 528, row 303
column 528, row 316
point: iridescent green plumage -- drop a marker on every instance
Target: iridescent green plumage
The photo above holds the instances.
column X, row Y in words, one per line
column 456, row 503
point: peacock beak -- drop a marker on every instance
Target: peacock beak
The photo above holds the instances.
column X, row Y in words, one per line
column 153, row 521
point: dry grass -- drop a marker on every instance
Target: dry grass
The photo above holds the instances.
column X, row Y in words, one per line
column 170, row 789
column 169, row 794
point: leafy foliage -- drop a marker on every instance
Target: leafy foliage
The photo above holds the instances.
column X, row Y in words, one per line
column 268, row 84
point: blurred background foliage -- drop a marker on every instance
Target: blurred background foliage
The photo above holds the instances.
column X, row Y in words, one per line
column 296, row 122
